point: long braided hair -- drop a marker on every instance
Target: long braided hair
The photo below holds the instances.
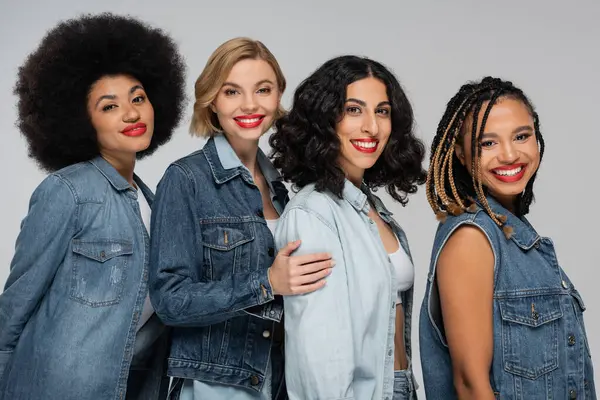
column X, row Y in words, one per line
column 451, row 189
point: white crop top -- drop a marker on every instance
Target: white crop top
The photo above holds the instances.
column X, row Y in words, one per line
column 272, row 224
column 405, row 271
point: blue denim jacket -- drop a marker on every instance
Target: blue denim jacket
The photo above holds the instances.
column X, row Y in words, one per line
column 340, row 339
column 211, row 249
column 77, row 284
column 540, row 344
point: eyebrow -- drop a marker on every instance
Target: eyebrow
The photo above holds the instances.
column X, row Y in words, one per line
column 363, row 104
column 493, row 135
column 235, row 85
column 112, row 96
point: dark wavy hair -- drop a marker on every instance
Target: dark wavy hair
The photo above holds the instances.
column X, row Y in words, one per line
column 306, row 146
column 54, row 83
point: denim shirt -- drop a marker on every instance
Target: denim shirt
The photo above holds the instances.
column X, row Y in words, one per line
column 211, row 249
column 540, row 347
column 77, row 284
column 340, row 339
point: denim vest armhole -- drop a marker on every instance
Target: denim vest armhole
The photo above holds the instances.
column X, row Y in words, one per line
column 446, row 230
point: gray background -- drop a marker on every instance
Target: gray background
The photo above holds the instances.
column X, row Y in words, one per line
column 550, row 50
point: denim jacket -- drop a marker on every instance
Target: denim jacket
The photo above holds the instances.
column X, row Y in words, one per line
column 77, row 284
column 211, row 249
column 540, row 347
column 340, row 339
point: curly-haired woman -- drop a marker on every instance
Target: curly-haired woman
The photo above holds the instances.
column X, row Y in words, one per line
column 98, row 93
column 350, row 131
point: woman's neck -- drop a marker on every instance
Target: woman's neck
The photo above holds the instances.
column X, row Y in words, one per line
column 247, row 152
column 123, row 164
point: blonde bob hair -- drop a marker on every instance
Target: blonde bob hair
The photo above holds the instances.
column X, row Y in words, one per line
column 204, row 120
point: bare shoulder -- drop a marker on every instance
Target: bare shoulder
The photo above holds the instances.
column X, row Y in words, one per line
column 468, row 247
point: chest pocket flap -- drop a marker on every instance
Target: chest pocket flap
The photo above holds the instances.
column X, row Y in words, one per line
column 102, row 250
column 225, row 237
column 531, row 311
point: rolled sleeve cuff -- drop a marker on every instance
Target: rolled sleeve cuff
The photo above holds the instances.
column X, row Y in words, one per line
column 270, row 306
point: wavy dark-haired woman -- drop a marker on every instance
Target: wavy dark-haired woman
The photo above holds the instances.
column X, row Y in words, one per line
column 350, row 131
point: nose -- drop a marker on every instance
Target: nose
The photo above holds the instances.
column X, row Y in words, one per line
column 132, row 114
column 508, row 153
column 369, row 124
column 249, row 104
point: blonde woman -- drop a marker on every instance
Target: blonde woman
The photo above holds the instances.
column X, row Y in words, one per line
column 215, row 275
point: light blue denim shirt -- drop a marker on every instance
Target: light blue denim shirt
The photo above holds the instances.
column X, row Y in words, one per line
column 76, row 289
column 340, row 339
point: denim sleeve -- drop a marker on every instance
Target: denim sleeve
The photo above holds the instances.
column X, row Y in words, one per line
column 44, row 238
column 178, row 294
column 319, row 360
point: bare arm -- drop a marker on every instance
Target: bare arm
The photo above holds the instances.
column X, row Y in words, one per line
column 465, row 276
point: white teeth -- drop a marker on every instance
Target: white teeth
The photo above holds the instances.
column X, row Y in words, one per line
column 508, row 172
column 248, row 121
column 365, row 145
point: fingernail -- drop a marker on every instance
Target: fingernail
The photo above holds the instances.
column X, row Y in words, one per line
column 332, row 263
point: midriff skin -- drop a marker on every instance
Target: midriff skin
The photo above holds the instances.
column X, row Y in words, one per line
column 400, row 360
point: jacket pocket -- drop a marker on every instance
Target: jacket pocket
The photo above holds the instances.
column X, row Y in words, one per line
column 530, row 334
column 99, row 269
column 227, row 247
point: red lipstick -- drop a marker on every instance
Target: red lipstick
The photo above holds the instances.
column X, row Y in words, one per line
column 134, row 130
column 249, row 121
column 365, row 145
column 500, row 173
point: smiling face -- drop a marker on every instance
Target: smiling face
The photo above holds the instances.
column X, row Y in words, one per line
column 365, row 127
column 122, row 116
column 248, row 100
column 510, row 154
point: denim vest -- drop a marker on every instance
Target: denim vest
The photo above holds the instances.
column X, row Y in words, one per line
column 540, row 348
column 340, row 338
column 211, row 249
column 78, row 280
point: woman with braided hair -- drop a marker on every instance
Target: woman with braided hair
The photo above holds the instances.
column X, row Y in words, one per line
column 76, row 321
column 500, row 318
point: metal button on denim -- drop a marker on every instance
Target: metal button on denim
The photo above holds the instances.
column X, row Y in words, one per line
column 564, row 284
column 572, row 394
column 254, row 380
column 266, row 334
column 571, row 340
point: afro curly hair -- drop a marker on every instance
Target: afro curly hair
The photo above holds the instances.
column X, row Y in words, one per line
column 54, row 83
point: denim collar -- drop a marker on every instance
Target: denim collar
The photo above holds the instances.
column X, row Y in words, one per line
column 524, row 235
column 360, row 198
column 110, row 173
column 118, row 182
column 226, row 165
